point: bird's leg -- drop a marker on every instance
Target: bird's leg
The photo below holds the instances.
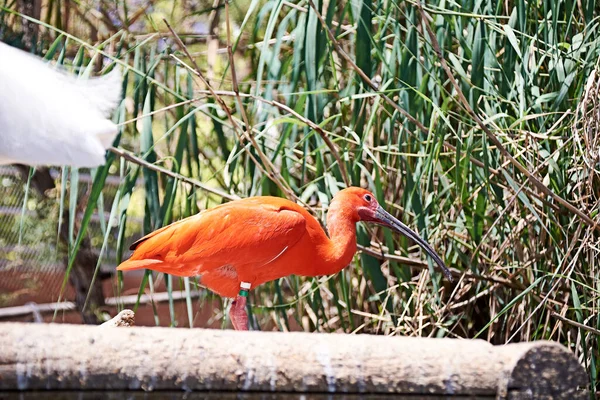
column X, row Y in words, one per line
column 237, row 313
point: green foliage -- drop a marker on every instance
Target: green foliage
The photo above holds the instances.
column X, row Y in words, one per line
column 380, row 94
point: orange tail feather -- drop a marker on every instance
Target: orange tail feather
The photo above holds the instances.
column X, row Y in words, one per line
column 139, row 264
column 155, row 265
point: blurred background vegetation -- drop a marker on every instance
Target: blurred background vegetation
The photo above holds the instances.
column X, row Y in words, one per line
column 474, row 122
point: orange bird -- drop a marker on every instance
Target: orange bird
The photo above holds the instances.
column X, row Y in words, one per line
column 239, row 245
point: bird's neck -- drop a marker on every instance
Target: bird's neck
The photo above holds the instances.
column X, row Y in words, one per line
column 341, row 246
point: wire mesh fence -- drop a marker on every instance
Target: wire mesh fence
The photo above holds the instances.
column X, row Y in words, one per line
column 32, row 257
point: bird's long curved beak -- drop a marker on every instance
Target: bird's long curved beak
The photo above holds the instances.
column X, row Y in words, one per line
column 385, row 218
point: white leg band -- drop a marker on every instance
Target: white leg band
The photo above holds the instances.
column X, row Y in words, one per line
column 245, row 285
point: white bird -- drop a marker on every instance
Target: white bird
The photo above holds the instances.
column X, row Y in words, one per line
column 50, row 117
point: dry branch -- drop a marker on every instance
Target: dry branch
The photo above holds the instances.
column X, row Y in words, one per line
column 124, row 318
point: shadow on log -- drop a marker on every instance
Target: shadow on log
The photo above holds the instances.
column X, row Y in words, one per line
column 72, row 357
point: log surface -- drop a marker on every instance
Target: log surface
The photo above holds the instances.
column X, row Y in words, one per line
column 76, row 357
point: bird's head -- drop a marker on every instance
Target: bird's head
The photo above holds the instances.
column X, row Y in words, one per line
column 365, row 207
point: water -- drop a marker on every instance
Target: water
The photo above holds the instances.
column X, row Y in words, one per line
column 166, row 395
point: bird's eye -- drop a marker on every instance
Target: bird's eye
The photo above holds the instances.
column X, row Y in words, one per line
column 368, row 197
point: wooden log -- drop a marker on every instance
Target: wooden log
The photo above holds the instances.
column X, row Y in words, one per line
column 76, row 357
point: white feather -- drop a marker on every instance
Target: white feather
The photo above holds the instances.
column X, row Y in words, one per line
column 49, row 117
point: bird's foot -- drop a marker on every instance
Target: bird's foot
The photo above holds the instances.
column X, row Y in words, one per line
column 238, row 315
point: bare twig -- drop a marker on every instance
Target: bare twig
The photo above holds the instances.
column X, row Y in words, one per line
column 124, row 318
column 424, row 266
column 136, row 160
column 574, row 323
column 272, row 173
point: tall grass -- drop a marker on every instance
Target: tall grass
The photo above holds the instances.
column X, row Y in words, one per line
column 474, row 122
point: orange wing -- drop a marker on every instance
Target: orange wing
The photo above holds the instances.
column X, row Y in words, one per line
column 248, row 233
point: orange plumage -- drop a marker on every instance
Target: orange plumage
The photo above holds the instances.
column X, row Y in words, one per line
column 259, row 239
column 254, row 240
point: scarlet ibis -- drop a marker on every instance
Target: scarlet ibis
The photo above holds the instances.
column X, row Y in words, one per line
column 49, row 117
column 239, row 245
